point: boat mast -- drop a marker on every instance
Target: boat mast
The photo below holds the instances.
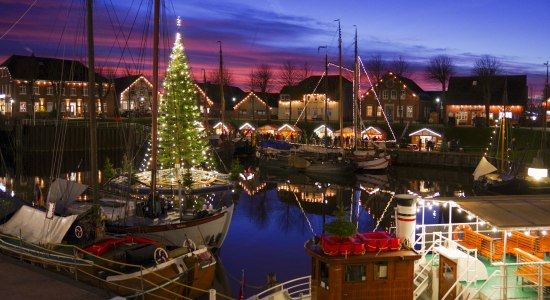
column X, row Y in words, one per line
column 154, row 105
column 355, row 93
column 222, row 98
column 92, row 107
column 341, row 101
column 326, row 93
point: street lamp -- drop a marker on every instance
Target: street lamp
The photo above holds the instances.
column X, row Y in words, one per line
column 438, row 101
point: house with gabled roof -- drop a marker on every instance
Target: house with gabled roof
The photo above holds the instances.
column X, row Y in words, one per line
column 210, row 94
column 466, row 100
column 399, row 99
column 306, row 100
column 134, row 95
column 39, row 84
column 256, row 106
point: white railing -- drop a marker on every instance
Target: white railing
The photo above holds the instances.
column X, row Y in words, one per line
column 297, row 288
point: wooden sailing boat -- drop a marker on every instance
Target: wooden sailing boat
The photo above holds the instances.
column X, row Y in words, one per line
column 502, row 179
column 150, row 219
column 127, row 266
column 311, row 159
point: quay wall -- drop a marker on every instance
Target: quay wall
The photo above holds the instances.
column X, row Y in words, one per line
column 436, row 158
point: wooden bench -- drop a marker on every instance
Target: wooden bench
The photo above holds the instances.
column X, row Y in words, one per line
column 530, row 272
column 527, row 243
column 485, row 245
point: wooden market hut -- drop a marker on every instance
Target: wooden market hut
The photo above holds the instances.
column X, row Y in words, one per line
column 373, row 133
column 227, row 128
column 247, row 130
column 320, row 131
column 422, row 136
column 267, row 129
column 288, row 131
column 348, row 132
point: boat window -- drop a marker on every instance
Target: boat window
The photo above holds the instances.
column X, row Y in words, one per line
column 323, row 274
column 355, row 273
column 381, row 270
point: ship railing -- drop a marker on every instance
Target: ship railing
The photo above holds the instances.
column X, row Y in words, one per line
column 59, row 254
column 298, row 288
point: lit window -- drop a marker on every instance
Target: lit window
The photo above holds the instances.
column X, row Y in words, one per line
column 36, row 90
column 379, row 111
column 409, row 112
column 381, row 270
column 369, row 111
column 402, row 95
column 23, row 107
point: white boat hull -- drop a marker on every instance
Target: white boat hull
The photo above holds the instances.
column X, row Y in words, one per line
column 377, row 163
column 209, row 231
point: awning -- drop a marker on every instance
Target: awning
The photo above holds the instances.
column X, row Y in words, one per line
column 517, row 212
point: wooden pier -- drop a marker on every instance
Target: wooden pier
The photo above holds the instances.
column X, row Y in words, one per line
column 436, row 158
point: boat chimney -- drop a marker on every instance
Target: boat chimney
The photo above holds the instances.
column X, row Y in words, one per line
column 406, row 219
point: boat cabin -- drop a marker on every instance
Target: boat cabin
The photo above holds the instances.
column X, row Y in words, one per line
column 369, row 275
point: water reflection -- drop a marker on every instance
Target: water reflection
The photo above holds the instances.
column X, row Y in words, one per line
column 276, row 213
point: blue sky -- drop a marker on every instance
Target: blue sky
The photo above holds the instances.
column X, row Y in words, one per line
column 274, row 31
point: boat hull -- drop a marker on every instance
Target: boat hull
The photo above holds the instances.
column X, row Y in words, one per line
column 377, row 163
column 210, row 231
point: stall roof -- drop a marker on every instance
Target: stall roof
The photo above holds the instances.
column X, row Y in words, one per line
column 508, row 211
column 425, row 131
column 289, row 127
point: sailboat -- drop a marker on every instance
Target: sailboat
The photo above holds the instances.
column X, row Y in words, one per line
column 127, row 266
column 502, row 180
column 314, row 160
column 154, row 218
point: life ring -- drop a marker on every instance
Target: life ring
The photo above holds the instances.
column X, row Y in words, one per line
column 78, row 231
column 161, row 256
column 459, row 228
column 189, row 244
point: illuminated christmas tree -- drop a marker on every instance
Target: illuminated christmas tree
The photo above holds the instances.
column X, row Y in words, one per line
column 181, row 138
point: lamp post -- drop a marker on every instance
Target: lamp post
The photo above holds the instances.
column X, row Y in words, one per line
column 438, row 107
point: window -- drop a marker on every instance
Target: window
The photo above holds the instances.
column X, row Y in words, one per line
column 85, row 91
column 369, row 111
column 260, row 112
column 63, row 91
column 399, row 111
column 393, row 94
column 36, row 90
column 402, row 95
column 474, row 83
column 243, row 112
column 323, row 274
column 410, row 111
column 49, row 106
column 49, row 90
column 73, row 91
column 22, row 90
column 385, row 94
column 381, row 270
column 23, row 107
column 379, row 111
column 355, row 273
column 287, row 111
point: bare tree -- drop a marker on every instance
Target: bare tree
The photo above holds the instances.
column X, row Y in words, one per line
column 304, row 72
column 214, row 77
column 376, row 66
column 288, row 76
column 487, row 68
column 263, row 77
column 440, row 69
column 400, row 67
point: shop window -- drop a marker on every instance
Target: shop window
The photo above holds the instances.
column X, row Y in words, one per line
column 381, row 270
column 323, row 275
column 355, row 273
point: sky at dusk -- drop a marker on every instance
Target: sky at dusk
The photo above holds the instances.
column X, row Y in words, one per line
column 276, row 31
